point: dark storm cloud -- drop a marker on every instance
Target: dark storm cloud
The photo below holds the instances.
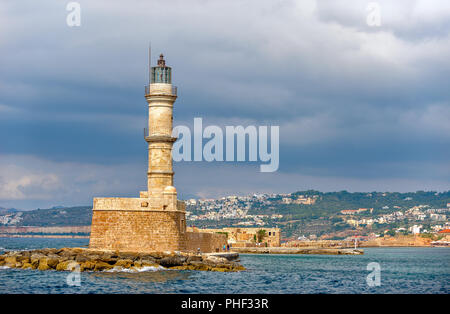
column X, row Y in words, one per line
column 358, row 107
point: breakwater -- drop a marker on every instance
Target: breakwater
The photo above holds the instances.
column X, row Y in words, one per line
column 298, row 250
column 84, row 259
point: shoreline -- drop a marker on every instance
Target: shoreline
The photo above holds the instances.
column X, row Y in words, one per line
column 51, row 236
column 284, row 250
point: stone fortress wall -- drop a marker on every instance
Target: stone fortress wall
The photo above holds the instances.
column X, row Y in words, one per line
column 245, row 237
column 206, row 242
column 137, row 229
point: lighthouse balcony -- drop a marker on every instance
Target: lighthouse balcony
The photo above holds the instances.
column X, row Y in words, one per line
column 159, row 135
column 160, row 89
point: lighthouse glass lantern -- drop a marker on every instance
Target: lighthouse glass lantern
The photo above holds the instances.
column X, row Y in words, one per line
column 161, row 73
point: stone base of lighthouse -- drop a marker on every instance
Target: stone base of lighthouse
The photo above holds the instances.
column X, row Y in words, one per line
column 127, row 224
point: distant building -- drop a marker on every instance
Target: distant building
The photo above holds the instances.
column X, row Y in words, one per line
column 354, row 211
column 438, row 217
column 349, row 211
column 415, row 229
column 305, row 200
column 286, row 200
column 353, row 222
column 246, row 237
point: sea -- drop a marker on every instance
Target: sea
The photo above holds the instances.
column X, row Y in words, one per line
column 379, row 270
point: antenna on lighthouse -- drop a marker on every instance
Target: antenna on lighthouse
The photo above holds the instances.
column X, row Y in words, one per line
column 149, row 63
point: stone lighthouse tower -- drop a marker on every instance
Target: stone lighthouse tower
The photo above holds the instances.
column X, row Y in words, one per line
column 160, row 96
column 156, row 220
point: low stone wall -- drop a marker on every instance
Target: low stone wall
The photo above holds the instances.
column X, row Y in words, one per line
column 318, row 244
column 245, row 237
column 207, row 242
column 399, row 241
column 243, row 244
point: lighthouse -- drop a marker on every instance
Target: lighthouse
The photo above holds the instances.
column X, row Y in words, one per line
column 160, row 96
column 155, row 221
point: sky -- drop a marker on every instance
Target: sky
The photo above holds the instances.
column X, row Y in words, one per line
column 360, row 107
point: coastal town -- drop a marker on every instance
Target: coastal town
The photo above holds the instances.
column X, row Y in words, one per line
column 278, row 209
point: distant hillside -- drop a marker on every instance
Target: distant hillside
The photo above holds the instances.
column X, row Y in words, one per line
column 331, row 203
column 67, row 216
column 299, row 213
column 5, row 211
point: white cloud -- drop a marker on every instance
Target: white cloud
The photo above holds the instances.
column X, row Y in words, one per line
column 29, row 178
column 29, row 187
column 221, row 179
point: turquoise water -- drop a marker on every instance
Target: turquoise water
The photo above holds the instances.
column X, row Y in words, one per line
column 403, row 270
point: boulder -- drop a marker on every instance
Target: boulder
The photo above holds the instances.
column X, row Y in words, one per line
column 195, row 265
column 93, row 257
column 10, row 261
column 46, row 263
column 148, row 262
column 47, row 251
column 88, row 265
column 129, row 255
column 81, row 258
column 125, row 263
column 220, row 269
column 27, row 266
column 99, row 266
column 24, row 260
column 155, row 255
column 43, row 266
column 109, row 258
column 193, row 258
column 67, row 265
column 67, row 255
column 216, row 259
column 137, row 264
column 35, row 257
column 171, row 261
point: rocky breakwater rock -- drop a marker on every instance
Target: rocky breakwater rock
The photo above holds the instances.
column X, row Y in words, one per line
column 69, row 259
